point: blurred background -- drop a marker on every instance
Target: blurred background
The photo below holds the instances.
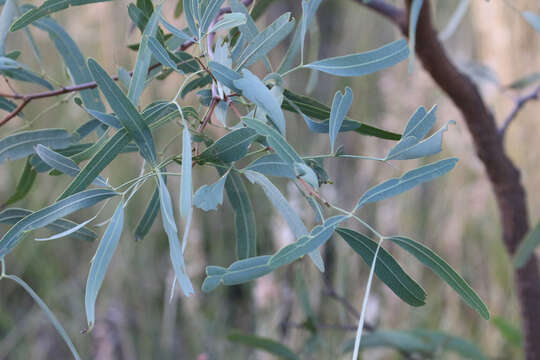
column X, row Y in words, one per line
column 455, row 215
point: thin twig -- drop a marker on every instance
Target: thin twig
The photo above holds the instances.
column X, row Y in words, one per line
column 396, row 15
column 518, row 106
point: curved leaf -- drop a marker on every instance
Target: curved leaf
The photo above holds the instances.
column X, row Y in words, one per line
column 22, row 144
column 231, row 147
column 272, row 165
column 209, row 197
column 340, row 107
column 24, row 184
column 239, row 272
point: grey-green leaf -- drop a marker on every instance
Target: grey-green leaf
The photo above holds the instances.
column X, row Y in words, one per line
column 527, row 246
column 239, row 272
column 264, row 344
column 224, row 75
column 125, row 111
column 9, row 11
column 148, row 217
column 364, row 63
column 229, row 21
column 175, row 31
column 444, row 271
column 411, row 179
column 272, row 165
column 340, row 107
column 24, row 184
column 386, row 268
column 231, row 147
column 210, row 13
column 18, row 71
column 51, row 213
column 414, row 14
column 254, row 90
column 186, row 187
column 209, row 197
column 22, row 144
column 101, row 260
column 47, row 8
column 161, row 54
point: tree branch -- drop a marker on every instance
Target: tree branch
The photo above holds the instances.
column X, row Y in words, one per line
column 396, row 15
column 518, row 106
column 502, row 173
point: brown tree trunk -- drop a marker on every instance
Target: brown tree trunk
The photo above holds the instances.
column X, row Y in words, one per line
column 502, row 173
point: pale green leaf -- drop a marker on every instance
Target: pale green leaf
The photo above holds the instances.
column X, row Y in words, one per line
column 18, row 71
column 340, row 107
column 272, row 165
column 209, row 197
column 229, row 21
column 210, row 13
column 22, row 144
column 186, row 187
column 239, row 272
column 175, row 31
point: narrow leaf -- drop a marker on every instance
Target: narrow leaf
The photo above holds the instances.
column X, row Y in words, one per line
column 229, row 21
column 147, row 219
column 414, row 14
column 210, row 13
column 364, row 63
column 68, row 231
column 186, row 189
column 24, row 184
column 340, row 107
column 22, row 144
column 231, row 147
column 272, row 165
column 175, row 31
column 161, row 54
column 9, row 11
column 264, row 344
column 444, row 271
column 527, row 246
column 18, row 71
column 239, row 272
column 209, row 197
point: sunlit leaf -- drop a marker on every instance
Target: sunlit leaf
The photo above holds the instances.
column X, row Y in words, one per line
column 364, row 63
column 444, row 271
column 411, row 179
column 101, row 260
column 386, row 268
column 229, row 21
column 210, row 13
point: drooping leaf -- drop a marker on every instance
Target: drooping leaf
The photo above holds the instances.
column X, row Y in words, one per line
column 364, row 63
column 74, row 60
column 386, row 268
column 210, row 13
column 48, row 313
column 414, row 14
column 148, row 217
column 231, row 147
column 191, row 12
column 254, row 90
column 411, row 179
column 9, row 11
column 136, row 86
column 101, row 260
column 125, row 111
column 312, row 108
column 272, row 165
column 209, row 197
column 169, row 224
column 47, row 8
column 527, row 246
column 24, row 184
column 239, row 272
column 22, row 144
column 265, row 41
column 229, row 21
column 533, row 19
column 186, row 188
column 244, row 217
column 264, row 344
column 62, row 163
column 51, row 213
column 340, row 107
column 306, row 244
column 286, row 211
column 7, row 105
column 13, row 215
column 107, row 119
column 430, row 259
column 18, row 71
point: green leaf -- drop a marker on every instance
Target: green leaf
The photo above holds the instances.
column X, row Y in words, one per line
column 24, row 184
column 74, row 61
column 191, row 11
column 272, row 165
column 136, row 86
column 238, row 272
column 414, row 14
column 244, row 217
column 9, row 11
column 63, row 164
column 229, row 21
column 249, row 29
column 69, row 231
column 18, row 71
column 7, row 105
column 264, row 344
column 306, row 244
column 13, row 215
column 175, row 250
column 411, row 179
column 311, row 107
column 209, row 197
column 48, row 313
column 444, row 271
column 340, row 107
column 175, row 31
column 525, row 81
column 107, row 119
column 286, row 211
column 386, row 268
column 265, row 41
column 527, row 246
column 231, row 147
column 510, row 333
column 195, row 84
column 210, row 13
column 224, row 75
column 47, row 8
column 101, row 261
column 364, row 63
column 533, row 19
column 186, row 188
column 126, row 112
column 254, row 90
column 22, row 144
column 147, row 219
column 161, row 54
column 51, row 213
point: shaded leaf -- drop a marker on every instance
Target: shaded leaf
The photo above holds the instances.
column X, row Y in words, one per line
column 231, row 147
column 26, row 180
column 161, row 53
column 264, row 344
column 224, row 75
column 527, row 246
column 209, row 197
column 22, row 144
column 272, row 165
column 175, row 31
column 238, row 272
column 18, row 71
column 147, row 219
column 7, row 105
column 340, row 107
